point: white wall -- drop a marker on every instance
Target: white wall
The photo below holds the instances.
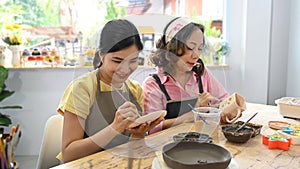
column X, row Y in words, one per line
column 261, row 47
column 248, row 32
column 293, row 76
column 279, row 50
column 38, row 92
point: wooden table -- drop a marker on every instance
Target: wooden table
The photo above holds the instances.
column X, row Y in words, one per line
column 252, row 154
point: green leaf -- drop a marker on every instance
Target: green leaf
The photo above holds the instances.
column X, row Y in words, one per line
column 4, row 120
column 5, row 93
column 3, row 77
column 11, row 107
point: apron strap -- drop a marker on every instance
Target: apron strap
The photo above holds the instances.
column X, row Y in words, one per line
column 133, row 99
column 98, row 80
column 200, row 83
column 163, row 89
column 161, row 86
column 97, row 94
column 194, row 69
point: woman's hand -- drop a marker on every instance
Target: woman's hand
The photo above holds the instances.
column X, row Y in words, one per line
column 230, row 116
column 125, row 115
column 139, row 131
column 204, row 99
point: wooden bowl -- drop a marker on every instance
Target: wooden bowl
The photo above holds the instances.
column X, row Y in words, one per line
column 241, row 136
column 195, row 155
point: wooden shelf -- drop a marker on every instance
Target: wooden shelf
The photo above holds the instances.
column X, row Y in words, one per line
column 88, row 67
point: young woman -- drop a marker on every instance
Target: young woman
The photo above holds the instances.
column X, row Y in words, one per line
column 99, row 106
column 181, row 78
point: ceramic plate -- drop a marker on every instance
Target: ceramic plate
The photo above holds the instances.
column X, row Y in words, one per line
column 149, row 117
column 155, row 164
column 278, row 125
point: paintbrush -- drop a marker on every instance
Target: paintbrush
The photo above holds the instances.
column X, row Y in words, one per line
column 242, row 126
column 121, row 95
column 14, row 145
column 215, row 100
column 195, row 111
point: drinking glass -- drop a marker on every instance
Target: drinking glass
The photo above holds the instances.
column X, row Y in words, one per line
column 206, row 119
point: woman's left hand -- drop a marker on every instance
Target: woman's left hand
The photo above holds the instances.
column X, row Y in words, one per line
column 139, row 131
column 229, row 116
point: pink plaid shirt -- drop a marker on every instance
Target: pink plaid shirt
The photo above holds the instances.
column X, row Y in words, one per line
column 154, row 98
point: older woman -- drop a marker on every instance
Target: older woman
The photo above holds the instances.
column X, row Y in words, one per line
column 182, row 78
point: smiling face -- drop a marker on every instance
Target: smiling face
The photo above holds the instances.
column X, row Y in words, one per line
column 118, row 66
column 193, row 48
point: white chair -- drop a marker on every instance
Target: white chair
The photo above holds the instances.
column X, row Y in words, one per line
column 51, row 144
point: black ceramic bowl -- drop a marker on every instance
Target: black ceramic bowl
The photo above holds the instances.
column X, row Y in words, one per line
column 195, row 155
column 241, row 136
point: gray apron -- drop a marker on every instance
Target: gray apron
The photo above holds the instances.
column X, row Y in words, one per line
column 102, row 113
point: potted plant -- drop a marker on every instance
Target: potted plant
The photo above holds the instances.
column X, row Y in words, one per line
column 13, row 36
column 5, row 120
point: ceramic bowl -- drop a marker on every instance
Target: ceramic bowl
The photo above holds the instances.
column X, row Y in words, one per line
column 195, row 155
column 192, row 137
column 241, row 136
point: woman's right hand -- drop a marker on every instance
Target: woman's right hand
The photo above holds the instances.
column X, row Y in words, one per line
column 125, row 115
column 204, row 99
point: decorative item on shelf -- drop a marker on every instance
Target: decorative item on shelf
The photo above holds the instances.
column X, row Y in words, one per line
column 90, row 53
column 5, row 55
column 55, row 56
column 45, row 52
column 13, row 36
column 16, row 54
column 24, row 58
column 36, row 57
column 216, row 49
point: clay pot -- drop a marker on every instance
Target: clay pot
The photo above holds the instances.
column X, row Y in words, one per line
column 241, row 136
column 192, row 137
column 195, row 155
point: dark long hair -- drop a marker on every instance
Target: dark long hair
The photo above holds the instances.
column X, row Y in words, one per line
column 167, row 54
column 117, row 35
